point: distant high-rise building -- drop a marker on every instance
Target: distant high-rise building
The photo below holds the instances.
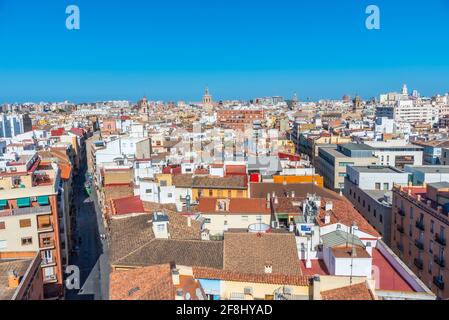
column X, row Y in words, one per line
column 14, row 124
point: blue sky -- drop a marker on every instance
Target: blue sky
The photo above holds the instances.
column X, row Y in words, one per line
column 241, row 49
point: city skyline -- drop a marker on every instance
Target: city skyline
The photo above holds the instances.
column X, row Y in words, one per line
column 163, row 51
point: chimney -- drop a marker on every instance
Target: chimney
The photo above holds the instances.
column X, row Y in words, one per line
column 327, row 218
column 329, row 206
column 189, row 222
column 175, row 277
column 354, row 252
column 293, row 194
column 418, row 197
column 276, row 200
column 316, row 288
column 13, row 279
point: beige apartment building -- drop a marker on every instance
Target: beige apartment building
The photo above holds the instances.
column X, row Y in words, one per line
column 419, row 232
column 332, row 162
column 32, row 220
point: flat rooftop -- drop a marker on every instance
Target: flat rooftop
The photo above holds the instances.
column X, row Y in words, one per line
column 357, row 146
column 377, row 169
column 431, row 169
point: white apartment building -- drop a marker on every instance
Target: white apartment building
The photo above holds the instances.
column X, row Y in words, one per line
column 397, row 153
column 410, row 111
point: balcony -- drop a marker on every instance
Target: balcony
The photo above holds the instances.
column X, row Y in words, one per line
column 420, row 225
column 439, row 260
column 400, row 229
column 47, row 262
column 419, row 263
column 31, row 210
column 44, row 228
column 401, row 212
column 439, row 282
column 46, row 243
column 440, row 239
column 419, row 244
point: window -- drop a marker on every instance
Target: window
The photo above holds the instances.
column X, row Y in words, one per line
column 163, row 183
column 411, row 213
column 248, row 290
column 3, row 244
column 2, row 225
column 431, row 246
column 27, row 241
column 381, row 218
column 25, row 223
column 350, row 192
column 149, row 191
column 170, row 195
column 432, row 226
column 161, row 227
column 377, row 186
column 375, row 213
column 211, row 193
column 369, row 208
column 386, row 186
column 368, row 244
column 364, row 203
column 207, row 220
column 245, row 218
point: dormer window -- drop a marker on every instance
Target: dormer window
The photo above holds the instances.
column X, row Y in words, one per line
column 268, row 269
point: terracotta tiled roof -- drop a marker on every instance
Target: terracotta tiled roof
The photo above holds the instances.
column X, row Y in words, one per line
column 343, row 212
column 182, row 180
column 133, row 243
column 355, row 292
column 149, row 283
column 279, row 279
column 230, row 182
column 346, row 252
column 127, row 205
column 118, row 192
column 250, row 253
column 236, row 205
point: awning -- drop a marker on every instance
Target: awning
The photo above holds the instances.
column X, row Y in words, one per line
column 23, row 202
column 3, row 203
column 43, row 200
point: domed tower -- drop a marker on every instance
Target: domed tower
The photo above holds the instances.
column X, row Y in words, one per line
column 207, row 98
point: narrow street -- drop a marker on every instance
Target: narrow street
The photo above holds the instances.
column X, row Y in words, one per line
column 91, row 255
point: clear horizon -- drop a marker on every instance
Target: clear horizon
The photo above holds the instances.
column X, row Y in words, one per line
column 172, row 51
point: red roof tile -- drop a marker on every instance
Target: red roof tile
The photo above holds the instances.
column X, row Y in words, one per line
column 128, row 205
column 236, row 205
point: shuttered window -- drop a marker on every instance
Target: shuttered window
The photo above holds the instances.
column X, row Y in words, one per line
column 25, row 223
